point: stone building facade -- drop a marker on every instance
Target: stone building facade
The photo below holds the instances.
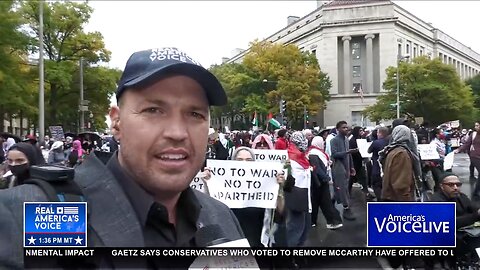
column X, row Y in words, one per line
column 355, row 41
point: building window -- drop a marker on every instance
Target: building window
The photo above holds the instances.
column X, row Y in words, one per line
column 408, row 49
column 399, row 49
column 414, row 52
column 314, row 52
column 422, row 50
column 357, row 87
column 357, row 72
column 356, row 50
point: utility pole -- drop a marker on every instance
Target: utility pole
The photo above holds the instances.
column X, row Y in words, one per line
column 82, row 115
column 41, row 94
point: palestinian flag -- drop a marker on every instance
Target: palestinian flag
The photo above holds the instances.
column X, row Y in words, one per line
column 255, row 120
column 274, row 122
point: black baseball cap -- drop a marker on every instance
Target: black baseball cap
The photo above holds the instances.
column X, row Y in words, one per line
column 146, row 67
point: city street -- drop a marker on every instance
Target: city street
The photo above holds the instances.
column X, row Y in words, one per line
column 353, row 233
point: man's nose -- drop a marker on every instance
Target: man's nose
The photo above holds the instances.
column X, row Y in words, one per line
column 176, row 130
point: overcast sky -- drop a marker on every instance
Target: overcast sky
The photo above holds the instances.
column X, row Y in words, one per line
column 210, row 30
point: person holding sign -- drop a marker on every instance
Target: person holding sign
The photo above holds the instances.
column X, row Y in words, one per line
column 437, row 165
column 360, row 177
column 252, row 219
column 298, row 202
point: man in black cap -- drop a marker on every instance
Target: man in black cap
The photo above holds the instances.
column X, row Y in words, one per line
column 141, row 197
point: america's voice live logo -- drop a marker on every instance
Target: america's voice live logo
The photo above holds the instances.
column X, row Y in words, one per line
column 410, row 224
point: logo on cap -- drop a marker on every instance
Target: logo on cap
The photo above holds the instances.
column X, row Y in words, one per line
column 170, row 53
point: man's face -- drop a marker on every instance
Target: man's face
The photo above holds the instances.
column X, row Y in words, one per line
column 451, row 186
column 477, row 127
column 343, row 129
column 163, row 129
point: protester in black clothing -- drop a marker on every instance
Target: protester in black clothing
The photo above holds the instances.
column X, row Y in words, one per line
column 374, row 148
column 320, row 186
column 20, row 157
column 467, row 213
column 360, row 176
column 221, row 147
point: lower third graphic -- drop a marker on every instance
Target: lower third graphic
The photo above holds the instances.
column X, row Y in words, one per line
column 55, row 224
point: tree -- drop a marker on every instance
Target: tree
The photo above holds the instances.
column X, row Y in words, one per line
column 270, row 72
column 474, row 83
column 65, row 43
column 428, row 89
column 300, row 82
column 14, row 74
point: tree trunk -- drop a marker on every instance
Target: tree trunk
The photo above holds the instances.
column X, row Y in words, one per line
column 53, row 105
column 21, row 122
column 10, row 119
column 2, row 118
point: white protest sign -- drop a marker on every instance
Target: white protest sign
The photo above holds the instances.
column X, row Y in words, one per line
column 448, row 161
column 363, row 146
column 198, row 183
column 240, row 184
column 270, row 155
column 428, row 151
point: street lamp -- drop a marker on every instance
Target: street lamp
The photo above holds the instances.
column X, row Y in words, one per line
column 399, row 59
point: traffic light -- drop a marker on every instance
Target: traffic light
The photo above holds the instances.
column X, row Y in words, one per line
column 284, row 106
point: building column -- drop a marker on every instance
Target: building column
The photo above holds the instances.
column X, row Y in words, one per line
column 347, row 65
column 369, row 55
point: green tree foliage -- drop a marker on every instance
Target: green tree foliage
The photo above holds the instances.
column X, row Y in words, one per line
column 14, row 74
column 270, row 72
column 428, row 89
column 474, row 83
column 65, row 43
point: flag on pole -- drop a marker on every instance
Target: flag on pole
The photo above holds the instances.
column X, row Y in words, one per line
column 255, row 120
column 274, row 122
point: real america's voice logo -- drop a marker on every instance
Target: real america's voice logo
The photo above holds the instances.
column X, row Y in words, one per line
column 410, row 224
column 55, row 224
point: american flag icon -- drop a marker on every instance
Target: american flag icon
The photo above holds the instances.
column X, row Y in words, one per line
column 67, row 210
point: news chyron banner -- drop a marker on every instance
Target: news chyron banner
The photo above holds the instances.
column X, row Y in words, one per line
column 55, row 224
column 411, row 224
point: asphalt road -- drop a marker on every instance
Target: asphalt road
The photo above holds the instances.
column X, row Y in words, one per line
column 353, row 233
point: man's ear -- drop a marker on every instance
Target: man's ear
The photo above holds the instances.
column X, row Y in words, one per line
column 115, row 122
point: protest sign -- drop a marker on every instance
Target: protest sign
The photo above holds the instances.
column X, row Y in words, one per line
column 198, row 183
column 363, row 146
column 448, row 162
column 428, row 151
column 56, row 132
column 240, row 184
column 270, row 155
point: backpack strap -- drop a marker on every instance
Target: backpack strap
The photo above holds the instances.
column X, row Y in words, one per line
column 59, row 191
